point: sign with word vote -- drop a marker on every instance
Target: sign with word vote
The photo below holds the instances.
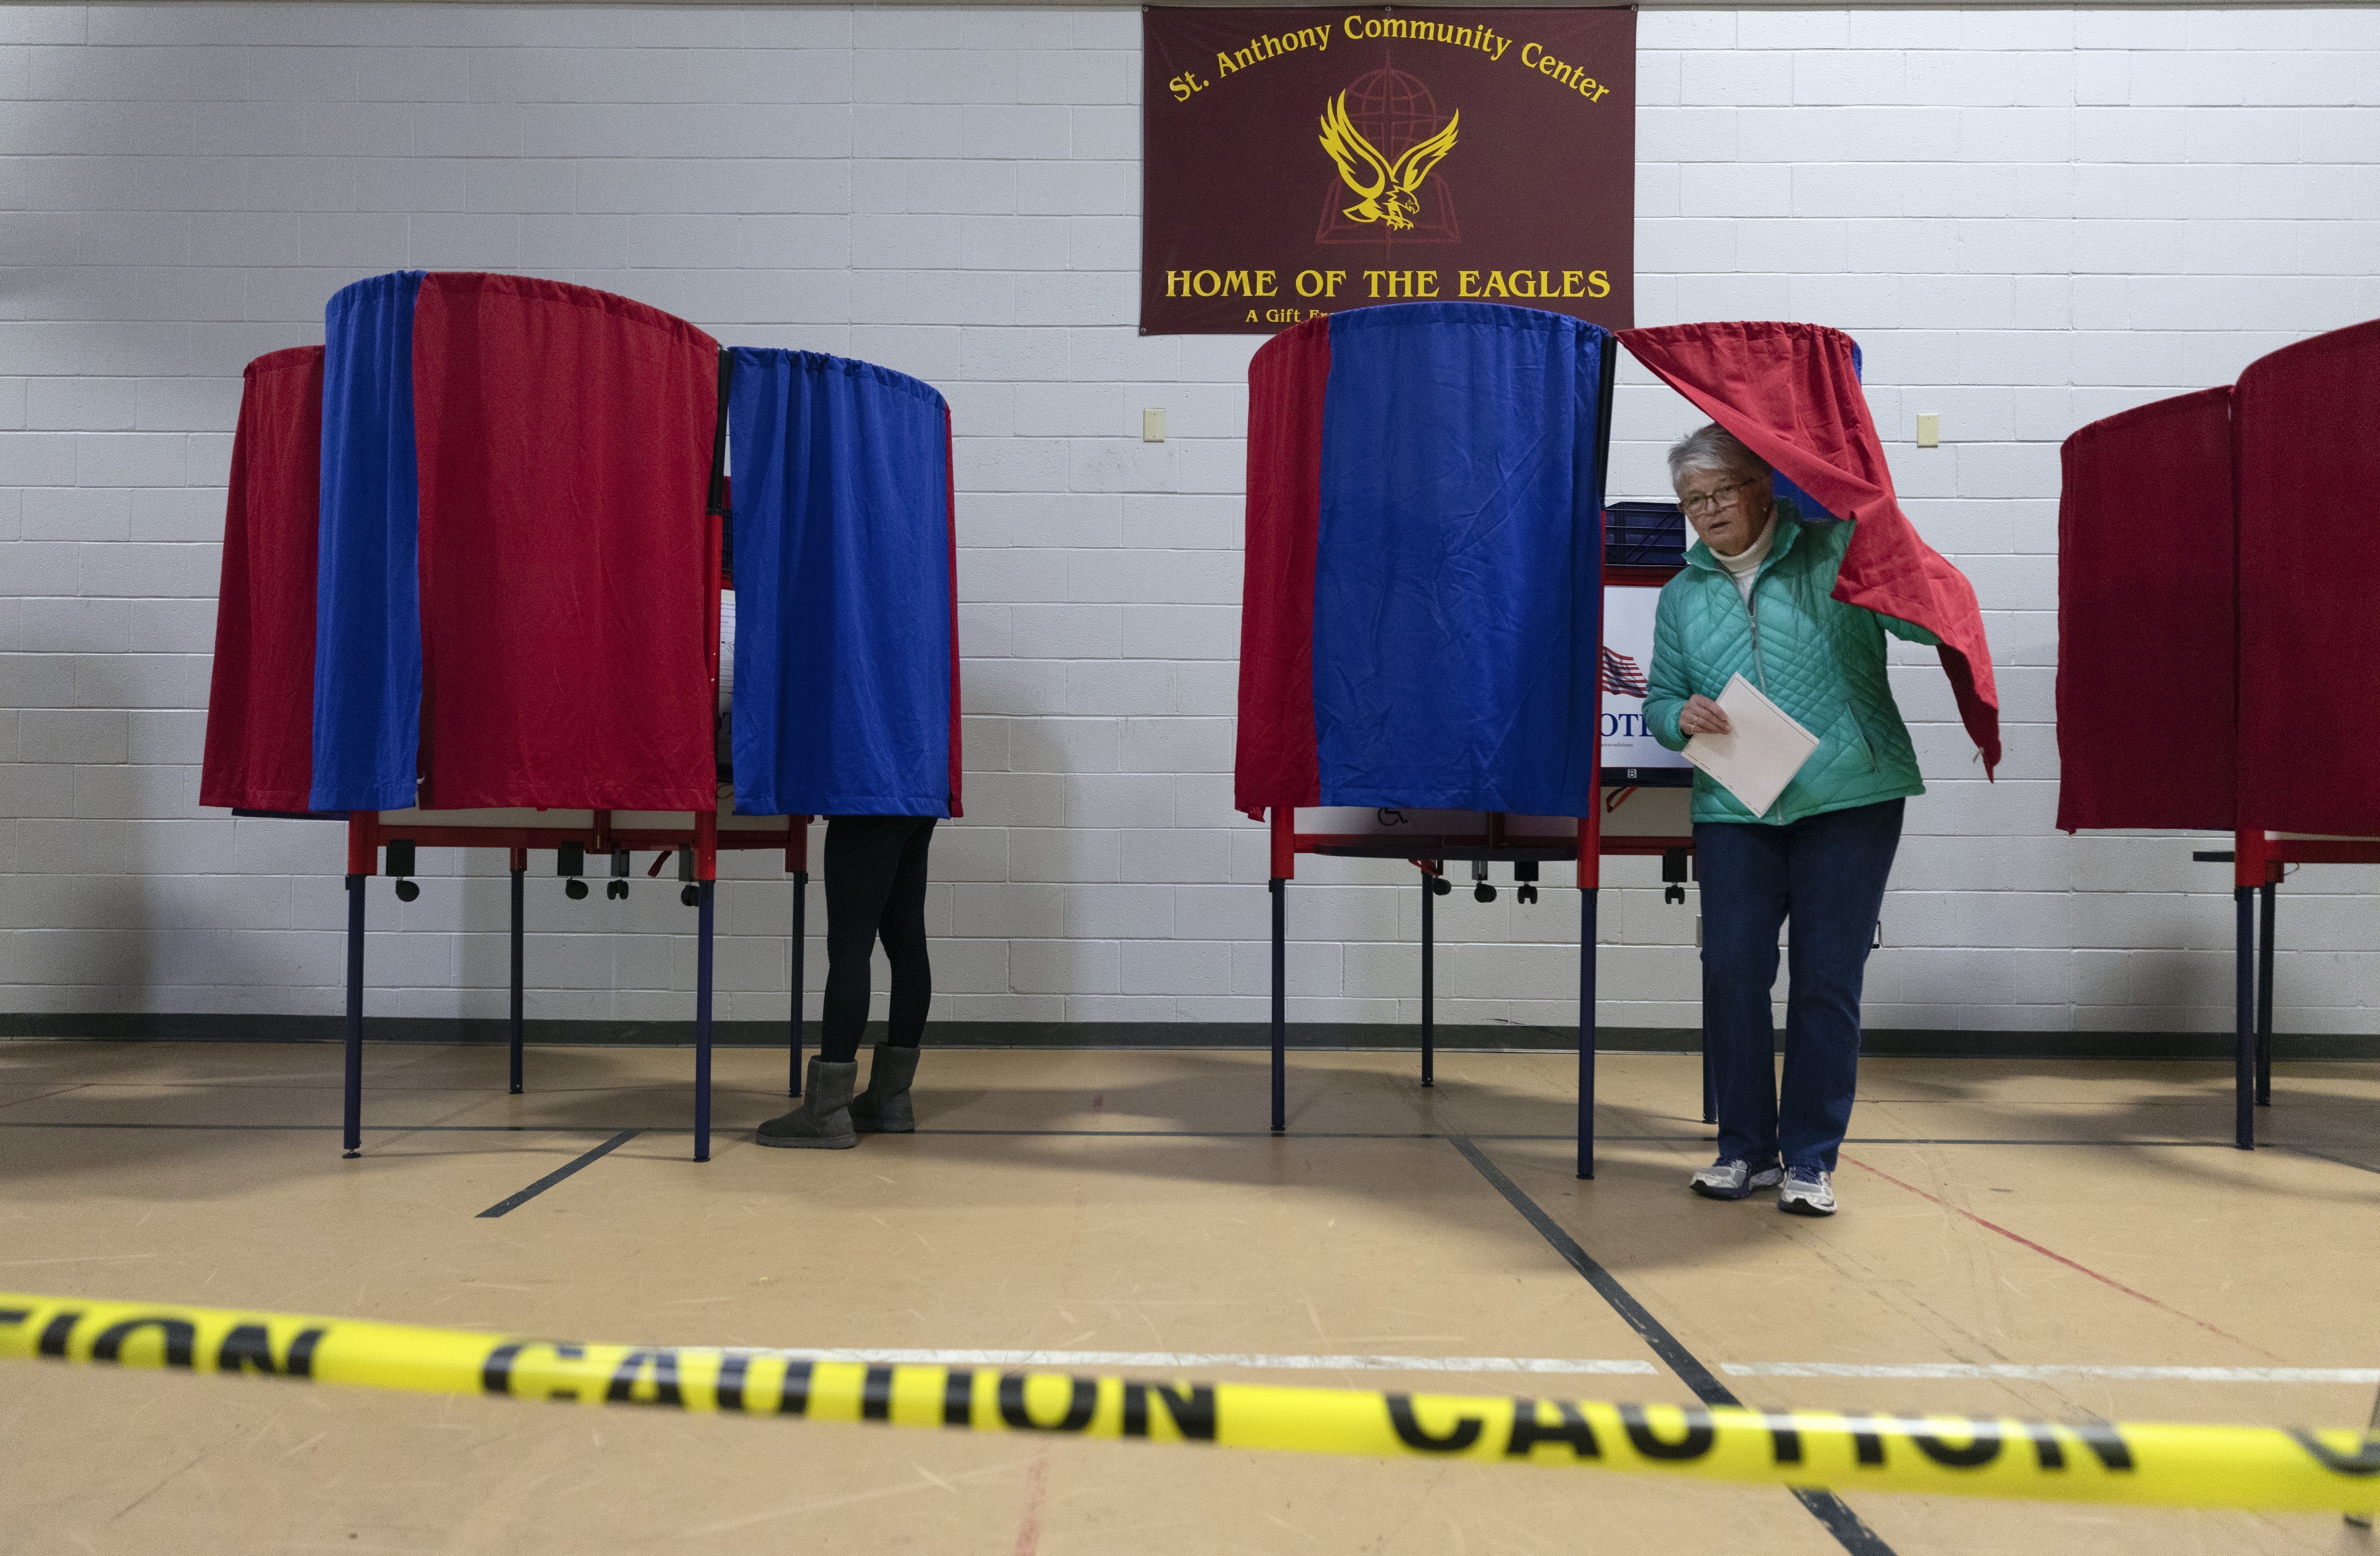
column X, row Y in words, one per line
column 1296, row 162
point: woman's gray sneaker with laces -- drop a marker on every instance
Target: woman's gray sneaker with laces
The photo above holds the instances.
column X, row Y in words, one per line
column 1733, row 1180
column 1807, row 1192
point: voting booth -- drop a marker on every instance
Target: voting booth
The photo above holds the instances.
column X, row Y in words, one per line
column 2204, row 584
column 1427, row 653
column 1425, row 493
column 477, row 549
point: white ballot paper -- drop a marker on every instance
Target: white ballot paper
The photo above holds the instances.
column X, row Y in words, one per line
column 1761, row 752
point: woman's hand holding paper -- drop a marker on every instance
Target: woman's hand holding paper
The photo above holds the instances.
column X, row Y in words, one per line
column 1702, row 716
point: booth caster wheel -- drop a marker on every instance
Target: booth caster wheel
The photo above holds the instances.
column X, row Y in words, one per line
column 1527, row 893
column 407, row 891
column 1483, row 893
column 575, row 889
column 1440, row 886
column 689, row 896
column 616, row 889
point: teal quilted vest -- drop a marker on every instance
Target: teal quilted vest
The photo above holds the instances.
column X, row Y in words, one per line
column 1818, row 659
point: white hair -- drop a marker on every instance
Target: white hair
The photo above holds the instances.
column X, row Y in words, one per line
column 1712, row 447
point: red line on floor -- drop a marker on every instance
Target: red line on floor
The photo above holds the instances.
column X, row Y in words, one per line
column 1036, row 1485
column 2046, row 1253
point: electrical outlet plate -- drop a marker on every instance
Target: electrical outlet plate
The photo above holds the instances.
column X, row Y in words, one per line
column 1152, row 425
column 1929, row 428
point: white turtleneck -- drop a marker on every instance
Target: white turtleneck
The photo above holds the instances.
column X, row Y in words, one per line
column 1744, row 564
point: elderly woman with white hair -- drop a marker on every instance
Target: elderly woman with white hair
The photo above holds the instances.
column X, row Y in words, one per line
column 1756, row 599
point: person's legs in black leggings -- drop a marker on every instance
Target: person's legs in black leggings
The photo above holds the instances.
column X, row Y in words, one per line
column 902, row 929
column 875, row 883
column 862, row 857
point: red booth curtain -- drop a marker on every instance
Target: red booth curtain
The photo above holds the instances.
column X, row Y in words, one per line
column 1278, row 764
column 260, row 749
column 569, row 589
column 1791, row 393
column 2147, row 623
column 2308, row 420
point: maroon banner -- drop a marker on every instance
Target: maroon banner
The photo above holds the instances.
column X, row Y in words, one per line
column 1295, row 163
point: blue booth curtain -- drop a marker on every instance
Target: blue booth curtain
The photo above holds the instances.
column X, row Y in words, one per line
column 1457, row 595
column 845, row 685
column 368, row 593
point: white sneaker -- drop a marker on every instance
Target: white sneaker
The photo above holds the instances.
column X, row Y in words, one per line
column 1733, row 1180
column 1807, row 1192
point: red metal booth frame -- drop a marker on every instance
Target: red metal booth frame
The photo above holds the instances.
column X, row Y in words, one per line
column 701, row 841
column 2258, row 860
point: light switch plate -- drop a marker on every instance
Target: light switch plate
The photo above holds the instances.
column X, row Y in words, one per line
column 1929, row 428
column 1152, row 425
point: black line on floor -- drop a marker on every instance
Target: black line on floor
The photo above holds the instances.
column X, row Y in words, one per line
column 1127, row 1134
column 1825, row 1506
column 1233, row 1134
column 1660, row 1140
column 327, row 1128
column 1697, row 1377
column 513, row 1202
column 1850, row 1530
column 1915, row 1140
column 59, row 1091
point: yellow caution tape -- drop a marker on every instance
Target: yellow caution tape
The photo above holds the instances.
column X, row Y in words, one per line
column 1988, row 1456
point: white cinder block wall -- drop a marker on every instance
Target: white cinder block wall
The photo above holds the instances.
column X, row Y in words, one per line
column 2029, row 218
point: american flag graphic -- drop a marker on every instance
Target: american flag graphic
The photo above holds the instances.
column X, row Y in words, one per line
column 1620, row 676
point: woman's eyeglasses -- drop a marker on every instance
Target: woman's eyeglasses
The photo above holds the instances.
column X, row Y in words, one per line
column 1711, row 501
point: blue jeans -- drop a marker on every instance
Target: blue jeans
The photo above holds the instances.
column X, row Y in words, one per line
column 1826, row 873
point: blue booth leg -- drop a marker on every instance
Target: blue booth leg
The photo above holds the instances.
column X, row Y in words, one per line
column 1428, row 979
column 1280, row 1005
column 2265, row 997
column 2244, row 1037
column 520, row 911
column 702, row 1022
column 1586, row 1034
column 352, row 1135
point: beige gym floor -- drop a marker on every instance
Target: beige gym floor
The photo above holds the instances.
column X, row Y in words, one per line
column 2079, row 1218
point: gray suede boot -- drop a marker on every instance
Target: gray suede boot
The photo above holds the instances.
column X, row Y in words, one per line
column 823, row 1121
column 883, row 1108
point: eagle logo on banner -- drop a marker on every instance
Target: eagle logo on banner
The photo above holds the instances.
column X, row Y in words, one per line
column 1388, row 191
